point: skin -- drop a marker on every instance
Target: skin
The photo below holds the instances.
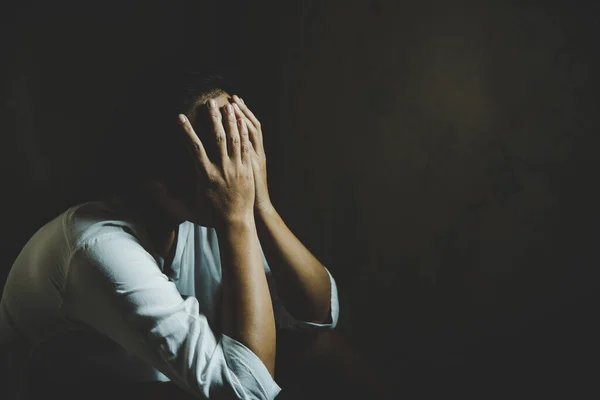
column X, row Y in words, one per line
column 239, row 207
column 304, row 284
column 233, row 197
column 225, row 190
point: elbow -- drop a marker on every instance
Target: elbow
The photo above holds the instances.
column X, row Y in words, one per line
column 318, row 315
column 247, row 375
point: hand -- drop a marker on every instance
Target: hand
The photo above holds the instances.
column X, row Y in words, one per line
column 224, row 187
column 262, row 202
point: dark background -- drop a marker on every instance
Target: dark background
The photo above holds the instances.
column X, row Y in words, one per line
column 440, row 157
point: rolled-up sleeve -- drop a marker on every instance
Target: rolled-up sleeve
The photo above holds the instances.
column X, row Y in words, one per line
column 115, row 287
column 285, row 320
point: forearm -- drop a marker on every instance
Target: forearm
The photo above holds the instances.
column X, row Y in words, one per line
column 247, row 308
column 302, row 281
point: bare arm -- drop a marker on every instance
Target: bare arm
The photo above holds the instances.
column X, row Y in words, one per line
column 115, row 287
column 303, row 283
column 247, row 310
column 227, row 188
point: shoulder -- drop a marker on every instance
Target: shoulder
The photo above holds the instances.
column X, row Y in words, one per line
column 113, row 260
column 105, row 240
column 85, row 223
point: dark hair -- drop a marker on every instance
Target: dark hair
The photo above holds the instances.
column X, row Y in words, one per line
column 146, row 141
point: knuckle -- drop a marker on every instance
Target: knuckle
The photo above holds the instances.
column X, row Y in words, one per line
column 220, row 138
column 212, row 177
column 197, row 147
column 235, row 139
column 215, row 114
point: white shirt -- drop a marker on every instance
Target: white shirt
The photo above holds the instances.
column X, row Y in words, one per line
column 89, row 275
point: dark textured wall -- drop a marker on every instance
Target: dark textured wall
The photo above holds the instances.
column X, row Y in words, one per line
column 438, row 156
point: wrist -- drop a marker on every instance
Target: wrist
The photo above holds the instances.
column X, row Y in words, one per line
column 236, row 223
column 264, row 210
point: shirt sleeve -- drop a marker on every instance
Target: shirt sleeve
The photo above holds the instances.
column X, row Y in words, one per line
column 115, row 287
column 285, row 320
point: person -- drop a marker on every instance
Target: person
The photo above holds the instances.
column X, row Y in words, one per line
column 185, row 273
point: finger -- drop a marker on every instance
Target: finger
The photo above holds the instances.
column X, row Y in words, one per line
column 249, row 114
column 233, row 136
column 245, row 142
column 193, row 143
column 253, row 132
column 217, row 128
column 240, row 114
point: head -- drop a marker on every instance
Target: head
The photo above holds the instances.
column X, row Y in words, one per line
column 148, row 148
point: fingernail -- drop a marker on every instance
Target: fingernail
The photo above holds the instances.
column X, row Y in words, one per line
column 236, row 98
column 211, row 103
column 236, row 107
column 182, row 118
column 229, row 108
